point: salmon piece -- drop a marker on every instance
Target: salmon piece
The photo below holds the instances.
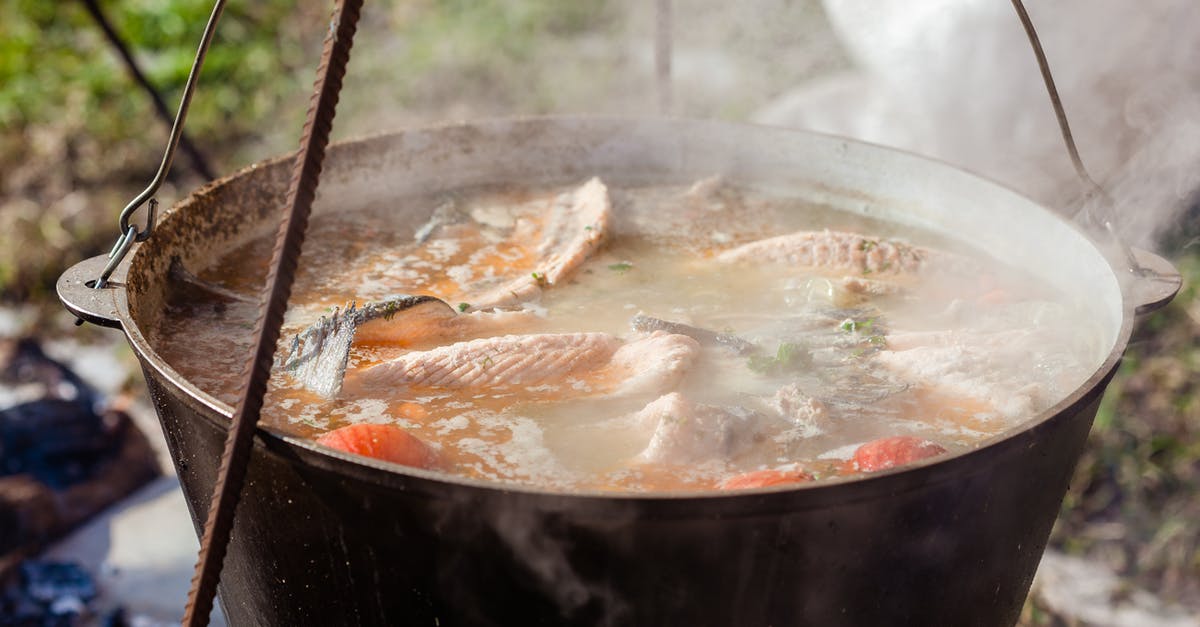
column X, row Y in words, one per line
column 574, row 230
column 891, row 452
column 652, row 364
column 569, row 364
column 765, row 478
column 435, row 325
column 686, row 432
column 992, row 368
column 807, row 416
column 386, row 442
column 848, row 253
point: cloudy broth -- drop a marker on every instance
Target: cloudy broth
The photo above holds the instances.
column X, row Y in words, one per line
column 915, row 356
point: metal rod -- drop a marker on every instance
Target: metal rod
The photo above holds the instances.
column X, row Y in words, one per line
column 177, row 128
column 1095, row 191
column 662, row 54
column 1059, row 111
column 199, row 162
column 284, row 260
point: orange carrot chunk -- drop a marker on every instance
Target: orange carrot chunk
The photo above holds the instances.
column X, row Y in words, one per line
column 386, row 442
column 764, row 478
column 896, row 451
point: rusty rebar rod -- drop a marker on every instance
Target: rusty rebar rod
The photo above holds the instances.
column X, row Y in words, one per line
column 284, row 260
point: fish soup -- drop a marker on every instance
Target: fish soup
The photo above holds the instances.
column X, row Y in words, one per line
column 601, row 337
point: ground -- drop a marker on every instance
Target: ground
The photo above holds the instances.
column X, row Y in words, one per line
column 77, row 140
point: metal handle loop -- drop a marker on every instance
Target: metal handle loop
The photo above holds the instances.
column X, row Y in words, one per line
column 121, row 247
column 1097, row 206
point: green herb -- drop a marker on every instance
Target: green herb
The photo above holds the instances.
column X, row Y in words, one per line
column 621, row 267
column 788, row 358
column 389, row 311
column 850, row 325
column 464, row 306
column 587, row 228
column 540, row 277
column 866, row 271
column 867, row 245
column 486, row 363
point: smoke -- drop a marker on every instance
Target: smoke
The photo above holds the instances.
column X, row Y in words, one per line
column 957, row 80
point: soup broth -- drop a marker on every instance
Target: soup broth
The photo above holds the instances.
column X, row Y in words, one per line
column 732, row 330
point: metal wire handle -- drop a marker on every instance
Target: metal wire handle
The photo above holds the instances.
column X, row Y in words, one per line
column 1095, row 191
column 129, row 232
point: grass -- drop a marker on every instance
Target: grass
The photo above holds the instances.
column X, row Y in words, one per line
column 1133, row 501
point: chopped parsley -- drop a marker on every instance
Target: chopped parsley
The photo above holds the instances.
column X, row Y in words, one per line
column 788, row 358
column 621, row 267
column 850, row 325
column 540, row 277
column 391, row 308
column 464, row 306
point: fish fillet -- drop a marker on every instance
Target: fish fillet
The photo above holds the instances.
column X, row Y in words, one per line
column 432, row 326
column 686, row 432
column 847, row 253
column 562, row 365
column 574, row 231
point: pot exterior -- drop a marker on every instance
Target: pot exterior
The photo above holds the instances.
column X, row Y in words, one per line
column 313, row 545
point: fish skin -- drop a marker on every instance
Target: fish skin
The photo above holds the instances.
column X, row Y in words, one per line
column 573, row 232
column 850, row 253
column 570, row 364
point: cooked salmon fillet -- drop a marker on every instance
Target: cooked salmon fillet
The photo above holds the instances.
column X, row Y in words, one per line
column 574, row 230
column 850, row 253
column 687, row 432
column 434, row 325
column 561, row 365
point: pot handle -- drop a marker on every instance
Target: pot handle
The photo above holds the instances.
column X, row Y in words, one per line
column 90, row 304
column 1155, row 281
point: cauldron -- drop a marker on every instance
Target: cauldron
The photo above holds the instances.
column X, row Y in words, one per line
column 324, row 538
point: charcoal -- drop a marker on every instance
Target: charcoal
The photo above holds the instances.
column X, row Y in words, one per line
column 48, row 594
column 55, row 440
column 23, row 361
column 46, row 581
column 59, row 437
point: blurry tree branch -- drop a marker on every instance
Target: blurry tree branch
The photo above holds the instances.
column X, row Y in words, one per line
column 198, row 161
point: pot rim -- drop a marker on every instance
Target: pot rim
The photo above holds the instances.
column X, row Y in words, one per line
column 916, row 474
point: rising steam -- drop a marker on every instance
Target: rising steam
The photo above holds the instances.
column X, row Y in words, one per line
column 956, row 79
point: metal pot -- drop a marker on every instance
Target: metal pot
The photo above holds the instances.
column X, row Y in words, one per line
column 326, row 538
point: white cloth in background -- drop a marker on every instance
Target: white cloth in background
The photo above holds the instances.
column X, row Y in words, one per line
column 957, row 80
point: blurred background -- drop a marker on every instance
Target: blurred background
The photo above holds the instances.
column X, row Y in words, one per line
column 79, row 138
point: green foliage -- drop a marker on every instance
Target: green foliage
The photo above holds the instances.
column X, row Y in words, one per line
column 55, row 65
column 1140, row 472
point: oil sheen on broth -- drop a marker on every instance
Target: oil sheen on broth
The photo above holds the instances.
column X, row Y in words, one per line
column 724, row 336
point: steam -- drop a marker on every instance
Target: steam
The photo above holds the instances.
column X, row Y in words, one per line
column 955, row 79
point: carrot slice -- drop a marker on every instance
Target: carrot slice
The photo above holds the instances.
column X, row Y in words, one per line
column 764, row 478
column 890, row 452
column 386, row 442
